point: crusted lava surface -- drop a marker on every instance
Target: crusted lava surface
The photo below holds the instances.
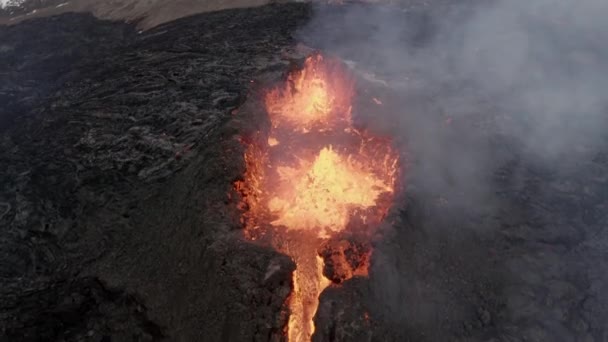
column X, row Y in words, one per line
column 118, row 155
column 119, row 220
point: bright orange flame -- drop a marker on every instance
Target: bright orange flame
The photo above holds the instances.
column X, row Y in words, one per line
column 313, row 178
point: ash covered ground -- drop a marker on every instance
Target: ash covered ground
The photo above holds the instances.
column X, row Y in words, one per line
column 119, row 221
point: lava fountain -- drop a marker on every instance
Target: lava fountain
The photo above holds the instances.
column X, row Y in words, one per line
column 317, row 186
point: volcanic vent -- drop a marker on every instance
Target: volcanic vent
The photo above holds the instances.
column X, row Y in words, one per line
column 316, row 186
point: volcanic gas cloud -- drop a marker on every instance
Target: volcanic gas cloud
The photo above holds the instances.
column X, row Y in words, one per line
column 316, row 186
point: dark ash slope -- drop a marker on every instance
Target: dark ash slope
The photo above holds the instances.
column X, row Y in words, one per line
column 116, row 166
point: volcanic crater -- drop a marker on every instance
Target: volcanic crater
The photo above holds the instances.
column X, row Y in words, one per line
column 316, row 187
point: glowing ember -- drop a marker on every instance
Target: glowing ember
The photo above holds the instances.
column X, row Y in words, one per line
column 272, row 141
column 314, row 178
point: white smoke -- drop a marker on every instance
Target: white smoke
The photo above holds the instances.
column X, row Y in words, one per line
column 507, row 75
column 542, row 62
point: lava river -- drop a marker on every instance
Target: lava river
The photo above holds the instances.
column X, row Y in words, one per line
column 316, row 183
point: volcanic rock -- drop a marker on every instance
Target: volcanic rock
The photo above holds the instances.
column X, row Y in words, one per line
column 118, row 157
column 345, row 258
column 343, row 315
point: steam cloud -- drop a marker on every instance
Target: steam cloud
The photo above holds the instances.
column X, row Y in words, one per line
column 504, row 75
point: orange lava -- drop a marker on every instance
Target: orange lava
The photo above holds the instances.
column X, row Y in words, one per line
column 321, row 194
column 317, row 96
column 313, row 177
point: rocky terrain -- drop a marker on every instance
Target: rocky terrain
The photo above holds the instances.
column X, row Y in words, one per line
column 119, row 222
column 96, row 125
column 144, row 13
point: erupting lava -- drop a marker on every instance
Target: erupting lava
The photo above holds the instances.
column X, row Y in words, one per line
column 315, row 183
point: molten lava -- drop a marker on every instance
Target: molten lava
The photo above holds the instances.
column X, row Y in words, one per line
column 316, row 96
column 315, row 180
column 321, row 194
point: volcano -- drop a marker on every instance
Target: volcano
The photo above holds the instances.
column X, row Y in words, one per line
column 303, row 172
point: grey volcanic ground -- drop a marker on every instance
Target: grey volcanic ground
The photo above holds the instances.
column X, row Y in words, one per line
column 147, row 13
column 118, row 219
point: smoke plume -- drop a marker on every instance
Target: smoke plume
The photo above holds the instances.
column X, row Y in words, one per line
column 476, row 85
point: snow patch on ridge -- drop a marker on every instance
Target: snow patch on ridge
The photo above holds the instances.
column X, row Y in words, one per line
column 10, row 3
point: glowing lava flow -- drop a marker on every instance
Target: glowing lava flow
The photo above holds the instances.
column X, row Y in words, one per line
column 314, row 179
